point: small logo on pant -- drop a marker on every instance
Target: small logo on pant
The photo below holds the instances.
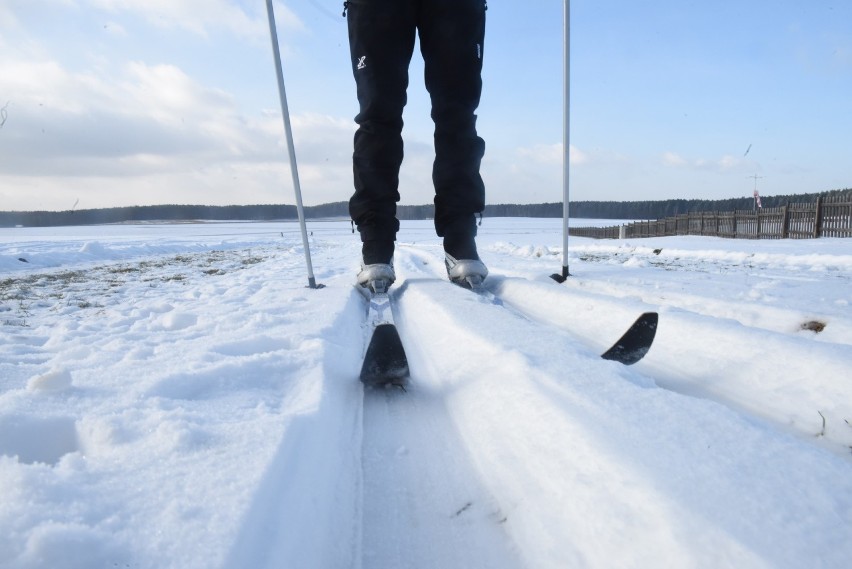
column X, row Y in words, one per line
column 362, row 62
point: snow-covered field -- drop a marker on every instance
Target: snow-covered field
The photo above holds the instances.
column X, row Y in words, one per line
column 173, row 396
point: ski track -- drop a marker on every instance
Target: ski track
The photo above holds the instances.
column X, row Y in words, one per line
column 774, row 392
column 194, row 405
column 527, row 374
column 423, row 504
column 747, row 316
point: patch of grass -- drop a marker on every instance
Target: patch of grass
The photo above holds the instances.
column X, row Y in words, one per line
column 64, row 278
column 124, row 270
column 21, row 297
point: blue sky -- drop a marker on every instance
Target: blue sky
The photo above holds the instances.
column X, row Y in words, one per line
column 134, row 102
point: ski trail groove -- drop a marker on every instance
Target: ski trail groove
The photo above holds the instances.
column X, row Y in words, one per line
column 597, row 332
column 593, row 312
column 555, row 433
column 423, row 504
column 678, row 364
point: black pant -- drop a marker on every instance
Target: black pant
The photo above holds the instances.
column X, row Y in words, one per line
column 381, row 41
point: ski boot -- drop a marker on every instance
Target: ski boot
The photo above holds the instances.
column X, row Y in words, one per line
column 468, row 273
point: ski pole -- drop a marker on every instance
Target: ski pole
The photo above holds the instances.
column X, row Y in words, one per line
column 566, row 135
column 288, row 131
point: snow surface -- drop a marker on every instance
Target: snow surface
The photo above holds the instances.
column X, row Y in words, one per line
column 173, row 396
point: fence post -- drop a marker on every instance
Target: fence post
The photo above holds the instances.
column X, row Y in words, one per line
column 785, row 223
column 818, row 218
column 757, row 215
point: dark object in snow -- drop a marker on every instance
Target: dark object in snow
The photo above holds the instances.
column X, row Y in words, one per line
column 21, row 259
column 814, row 326
column 657, row 251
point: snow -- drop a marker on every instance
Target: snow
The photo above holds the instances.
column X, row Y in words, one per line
column 174, row 396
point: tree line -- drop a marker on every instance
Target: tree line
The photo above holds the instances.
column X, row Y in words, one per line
column 637, row 210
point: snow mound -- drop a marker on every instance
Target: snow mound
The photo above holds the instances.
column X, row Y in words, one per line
column 56, row 380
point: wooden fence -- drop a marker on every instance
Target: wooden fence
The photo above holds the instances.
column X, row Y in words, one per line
column 827, row 217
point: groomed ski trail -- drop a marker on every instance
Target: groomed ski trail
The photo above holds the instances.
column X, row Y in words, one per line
column 597, row 332
column 782, row 388
column 555, row 433
column 423, row 504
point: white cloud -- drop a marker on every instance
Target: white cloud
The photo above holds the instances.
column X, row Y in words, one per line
column 166, row 94
column 198, row 16
column 723, row 164
column 55, row 113
column 142, row 134
column 552, row 154
column 85, row 120
column 672, row 159
column 729, row 162
column 7, row 17
column 10, row 8
column 115, row 29
column 577, row 156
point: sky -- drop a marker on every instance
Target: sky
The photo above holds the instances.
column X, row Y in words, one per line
column 107, row 103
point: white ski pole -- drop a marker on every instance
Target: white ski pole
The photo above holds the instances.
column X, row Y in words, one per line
column 566, row 135
column 288, row 131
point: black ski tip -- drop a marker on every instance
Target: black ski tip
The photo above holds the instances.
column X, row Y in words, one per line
column 636, row 342
column 385, row 363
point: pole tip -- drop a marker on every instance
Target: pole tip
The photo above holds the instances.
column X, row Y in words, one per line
column 561, row 278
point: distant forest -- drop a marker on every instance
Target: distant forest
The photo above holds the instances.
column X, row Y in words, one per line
column 634, row 210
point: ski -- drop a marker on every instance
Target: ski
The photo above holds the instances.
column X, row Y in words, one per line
column 628, row 350
column 636, row 342
column 475, row 285
column 385, row 363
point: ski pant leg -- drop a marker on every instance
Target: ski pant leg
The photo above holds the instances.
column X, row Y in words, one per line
column 452, row 35
column 381, row 42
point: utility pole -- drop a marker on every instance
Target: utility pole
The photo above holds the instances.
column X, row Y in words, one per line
column 756, row 195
